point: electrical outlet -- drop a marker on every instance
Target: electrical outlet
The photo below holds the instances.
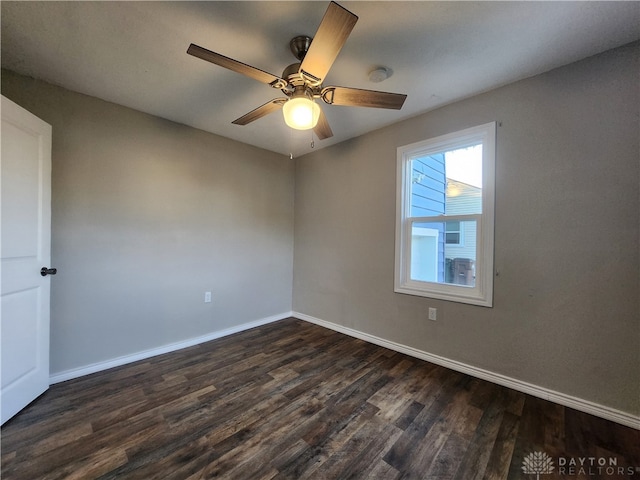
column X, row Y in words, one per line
column 207, row 297
column 433, row 314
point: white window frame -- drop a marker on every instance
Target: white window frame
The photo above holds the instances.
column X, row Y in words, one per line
column 482, row 292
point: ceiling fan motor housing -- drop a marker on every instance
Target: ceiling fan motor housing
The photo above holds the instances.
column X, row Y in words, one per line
column 292, row 76
column 297, row 83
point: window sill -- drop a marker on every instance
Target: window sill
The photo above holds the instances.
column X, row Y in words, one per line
column 459, row 294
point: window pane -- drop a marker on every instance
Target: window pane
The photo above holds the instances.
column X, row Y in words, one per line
column 434, row 259
column 453, row 238
column 463, row 167
column 453, row 226
column 448, row 183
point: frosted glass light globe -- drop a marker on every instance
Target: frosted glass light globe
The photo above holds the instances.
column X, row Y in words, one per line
column 301, row 113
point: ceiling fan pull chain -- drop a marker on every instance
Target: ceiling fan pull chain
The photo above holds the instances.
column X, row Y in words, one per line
column 291, row 143
column 312, row 142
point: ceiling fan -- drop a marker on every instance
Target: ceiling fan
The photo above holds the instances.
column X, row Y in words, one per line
column 301, row 82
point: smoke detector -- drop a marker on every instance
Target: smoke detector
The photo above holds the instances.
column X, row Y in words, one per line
column 379, row 74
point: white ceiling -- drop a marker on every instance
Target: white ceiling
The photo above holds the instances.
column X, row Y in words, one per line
column 134, row 54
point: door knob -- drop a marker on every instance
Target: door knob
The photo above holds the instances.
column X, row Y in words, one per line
column 44, row 271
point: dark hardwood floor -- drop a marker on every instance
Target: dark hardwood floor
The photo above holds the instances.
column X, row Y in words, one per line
column 292, row 400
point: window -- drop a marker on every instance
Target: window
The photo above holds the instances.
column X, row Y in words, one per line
column 444, row 219
column 453, row 235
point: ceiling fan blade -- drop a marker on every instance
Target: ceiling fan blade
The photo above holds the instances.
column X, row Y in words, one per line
column 236, row 66
column 355, row 97
column 261, row 111
column 322, row 128
column 332, row 34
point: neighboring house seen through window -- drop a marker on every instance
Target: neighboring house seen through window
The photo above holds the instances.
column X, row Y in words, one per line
column 444, row 224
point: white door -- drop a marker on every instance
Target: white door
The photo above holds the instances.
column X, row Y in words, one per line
column 25, row 196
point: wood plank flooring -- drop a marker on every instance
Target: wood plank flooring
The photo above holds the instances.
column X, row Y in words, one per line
column 292, row 400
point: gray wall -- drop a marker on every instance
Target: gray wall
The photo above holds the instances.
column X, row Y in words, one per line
column 147, row 215
column 566, row 314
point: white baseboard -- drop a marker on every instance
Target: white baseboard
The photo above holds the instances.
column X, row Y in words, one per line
column 172, row 347
column 586, row 406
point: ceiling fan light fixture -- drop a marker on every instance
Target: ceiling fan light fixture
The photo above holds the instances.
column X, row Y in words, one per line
column 301, row 113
